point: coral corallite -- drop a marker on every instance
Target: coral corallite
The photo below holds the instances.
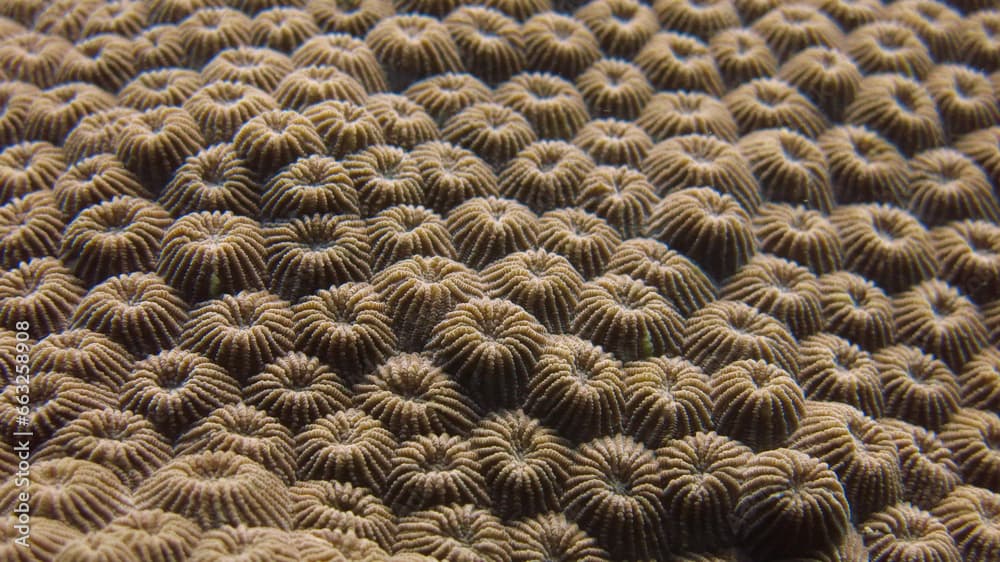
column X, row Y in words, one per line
column 859, row 450
column 347, row 446
column 218, row 488
column 667, row 398
column 790, row 502
column 575, row 380
column 614, row 491
column 524, row 462
column 206, row 254
column 242, row 333
column 347, row 327
column 703, row 473
column 411, row 397
column 627, row 318
column 756, row 402
column 490, row 346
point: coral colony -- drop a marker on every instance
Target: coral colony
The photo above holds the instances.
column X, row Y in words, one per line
column 500, row 280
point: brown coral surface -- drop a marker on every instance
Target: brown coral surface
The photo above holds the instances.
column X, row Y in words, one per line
column 514, row 280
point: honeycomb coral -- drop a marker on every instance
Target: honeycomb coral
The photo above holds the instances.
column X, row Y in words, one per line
column 490, row 43
column 420, row 291
column 138, row 311
column 558, row 43
column 29, row 166
column 756, row 402
column 553, row 535
column 859, row 450
column 978, row 380
column 885, row 244
column 828, row 77
column 940, row 320
column 621, row 27
column 282, row 29
column 900, row 532
column 296, row 390
column 679, row 61
column 543, row 283
column 310, row 254
column 965, row 513
column 855, row 309
column 780, row 288
column 215, row 179
column 452, row 175
column 492, row 131
column 413, row 397
column 584, row 239
column 86, row 355
column 454, row 531
column 30, row 227
column 742, row 55
column 54, row 111
column 115, row 237
column 205, row 254
column 319, row 504
column 710, row 228
column 276, row 138
column 246, row 431
column 946, row 186
column 971, row 436
column 545, row 175
column 928, row 467
column 176, row 388
column 898, row 108
column 41, row 292
column 918, row 387
column 221, row 108
column 402, row 231
column 614, row 142
column 542, row 237
column 152, row 534
column 126, row 443
column 615, row 88
column 835, row 370
column 552, row 105
column 315, row 184
column 384, row 175
column 54, row 400
column 431, row 470
column 445, row 95
column 789, row 167
column 159, row 87
column 412, row 47
column 620, row 195
column 154, row 143
column 79, row 493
